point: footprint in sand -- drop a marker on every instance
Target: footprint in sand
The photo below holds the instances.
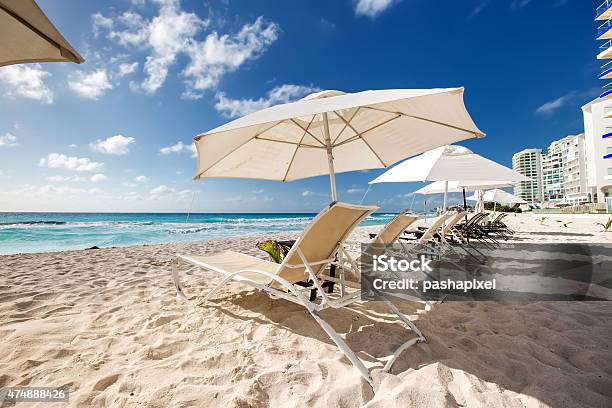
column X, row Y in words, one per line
column 106, row 382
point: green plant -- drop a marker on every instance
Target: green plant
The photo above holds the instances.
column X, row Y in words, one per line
column 542, row 219
column 273, row 249
column 607, row 226
column 565, row 224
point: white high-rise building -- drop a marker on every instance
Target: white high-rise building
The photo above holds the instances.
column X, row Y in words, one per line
column 598, row 147
column 598, row 117
column 528, row 162
column 552, row 173
column 575, row 173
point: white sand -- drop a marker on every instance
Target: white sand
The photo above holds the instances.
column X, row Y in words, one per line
column 106, row 323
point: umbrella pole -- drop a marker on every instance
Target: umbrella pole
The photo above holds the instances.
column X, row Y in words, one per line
column 465, row 205
column 445, row 197
column 330, row 158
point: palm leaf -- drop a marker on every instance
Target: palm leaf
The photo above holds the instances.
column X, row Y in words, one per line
column 273, row 249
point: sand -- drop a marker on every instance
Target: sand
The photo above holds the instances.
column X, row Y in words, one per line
column 106, row 323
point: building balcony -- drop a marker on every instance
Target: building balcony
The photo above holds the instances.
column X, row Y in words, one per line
column 604, row 11
column 607, row 91
column 607, row 114
column 604, row 31
column 605, row 50
column 606, row 71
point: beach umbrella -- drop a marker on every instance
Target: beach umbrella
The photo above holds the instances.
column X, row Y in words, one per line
column 448, row 163
column 27, row 35
column 498, row 196
column 461, row 186
column 457, row 186
column 331, row 132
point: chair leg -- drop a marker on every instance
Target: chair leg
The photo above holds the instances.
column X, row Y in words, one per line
column 350, row 354
column 332, row 273
column 419, row 339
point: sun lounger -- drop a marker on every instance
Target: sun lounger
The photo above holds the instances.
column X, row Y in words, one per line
column 311, row 254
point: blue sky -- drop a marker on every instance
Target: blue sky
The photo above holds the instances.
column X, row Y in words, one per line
column 114, row 133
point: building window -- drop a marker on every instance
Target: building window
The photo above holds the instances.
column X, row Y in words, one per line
column 609, row 171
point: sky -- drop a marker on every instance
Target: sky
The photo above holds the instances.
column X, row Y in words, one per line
column 114, row 134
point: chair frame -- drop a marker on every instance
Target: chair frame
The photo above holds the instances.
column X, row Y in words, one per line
column 294, row 294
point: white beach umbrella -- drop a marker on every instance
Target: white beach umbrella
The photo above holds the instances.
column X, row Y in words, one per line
column 448, row 163
column 331, row 132
column 457, row 186
column 497, row 196
column 461, row 186
column 27, row 35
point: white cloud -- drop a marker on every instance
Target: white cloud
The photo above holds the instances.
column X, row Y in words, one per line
column 90, row 85
column 117, row 144
column 164, row 191
column 372, row 8
column 74, row 178
column 479, row 8
column 141, row 179
column 516, row 4
column 174, row 32
column 217, row 55
column 355, row 190
column 8, row 140
column 96, row 178
column 126, row 68
column 52, row 190
column 167, row 34
column 551, row 106
column 72, row 145
column 280, row 94
column 179, row 147
column 160, row 190
column 61, row 161
column 308, row 193
column 26, row 81
column 98, row 22
column 572, row 97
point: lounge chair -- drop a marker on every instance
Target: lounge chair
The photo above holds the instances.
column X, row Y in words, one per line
column 311, row 254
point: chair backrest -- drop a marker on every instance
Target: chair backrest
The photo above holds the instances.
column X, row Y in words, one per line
column 394, row 228
column 453, row 221
column 433, row 228
column 475, row 218
column 321, row 239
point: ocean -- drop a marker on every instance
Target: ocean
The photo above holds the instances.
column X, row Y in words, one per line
column 45, row 232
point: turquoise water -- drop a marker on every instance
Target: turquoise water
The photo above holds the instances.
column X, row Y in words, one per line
column 44, row 232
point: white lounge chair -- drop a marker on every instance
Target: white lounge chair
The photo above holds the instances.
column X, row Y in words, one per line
column 312, row 253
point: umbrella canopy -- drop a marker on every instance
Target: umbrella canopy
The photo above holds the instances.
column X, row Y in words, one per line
column 331, row 132
column 448, row 163
column 455, row 186
column 498, row 196
column 27, row 35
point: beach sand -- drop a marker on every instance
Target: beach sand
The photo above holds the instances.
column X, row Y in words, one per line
column 107, row 324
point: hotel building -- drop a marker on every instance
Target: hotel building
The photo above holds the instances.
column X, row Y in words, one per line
column 598, row 117
column 528, row 162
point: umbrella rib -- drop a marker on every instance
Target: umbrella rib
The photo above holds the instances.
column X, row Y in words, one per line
column 426, row 120
column 306, row 130
column 357, row 137
column 362, row 138
column 297, row 147
column 286, row 142
column 345, row 126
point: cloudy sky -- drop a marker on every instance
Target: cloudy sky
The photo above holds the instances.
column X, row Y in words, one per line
column 114, row 134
